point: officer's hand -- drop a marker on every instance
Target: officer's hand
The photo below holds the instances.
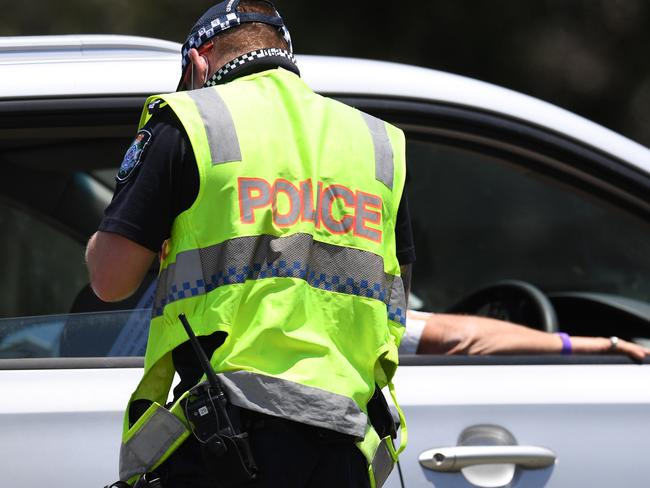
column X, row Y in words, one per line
column 164, row 250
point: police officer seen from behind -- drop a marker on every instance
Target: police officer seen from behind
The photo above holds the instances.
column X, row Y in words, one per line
column 284, row 238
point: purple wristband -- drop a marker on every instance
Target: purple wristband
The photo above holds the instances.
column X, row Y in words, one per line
column 566, row 343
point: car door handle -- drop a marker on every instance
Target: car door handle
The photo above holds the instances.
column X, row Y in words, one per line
column 453, row 459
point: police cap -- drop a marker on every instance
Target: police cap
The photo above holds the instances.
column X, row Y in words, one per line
column 223, row 16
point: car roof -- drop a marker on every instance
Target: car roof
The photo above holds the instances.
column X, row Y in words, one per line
column 99, row 65
column 86, row 65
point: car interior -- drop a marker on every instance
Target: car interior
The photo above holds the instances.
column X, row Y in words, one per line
column 509, row 222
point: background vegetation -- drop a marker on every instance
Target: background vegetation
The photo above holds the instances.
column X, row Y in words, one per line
column 589, row 56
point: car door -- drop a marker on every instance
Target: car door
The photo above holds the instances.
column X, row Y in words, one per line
column 589, row 412
column 493, row 199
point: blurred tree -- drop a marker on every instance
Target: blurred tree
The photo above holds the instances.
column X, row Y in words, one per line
column 589, row 56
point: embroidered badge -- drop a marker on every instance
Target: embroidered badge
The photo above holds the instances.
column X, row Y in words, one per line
column 133, row 156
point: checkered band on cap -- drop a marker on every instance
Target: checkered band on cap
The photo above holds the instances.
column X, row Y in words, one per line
column 287, row 38
column 245, row 58
column 222, row 17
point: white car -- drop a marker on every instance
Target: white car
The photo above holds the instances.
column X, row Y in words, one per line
column 520, row 210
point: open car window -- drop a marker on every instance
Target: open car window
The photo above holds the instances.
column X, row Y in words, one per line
column 481, row 218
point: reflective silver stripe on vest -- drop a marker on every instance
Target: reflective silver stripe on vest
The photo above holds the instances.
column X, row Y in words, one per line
column 325, row 266
column 397, row 301
column 383, row 150
column 293, row 401
column 382, row 463
column 141, row 452
column 219, row 126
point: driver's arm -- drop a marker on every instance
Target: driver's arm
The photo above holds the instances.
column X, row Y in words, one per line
column 467, row 334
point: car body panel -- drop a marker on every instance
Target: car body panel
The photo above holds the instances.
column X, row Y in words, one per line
column 62, row 426
column 568, row 401
column 562, row 408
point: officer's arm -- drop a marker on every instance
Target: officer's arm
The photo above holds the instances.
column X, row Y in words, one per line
column 116, row 265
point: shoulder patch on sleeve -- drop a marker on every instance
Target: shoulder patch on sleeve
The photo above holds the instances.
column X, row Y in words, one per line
column 133, row 156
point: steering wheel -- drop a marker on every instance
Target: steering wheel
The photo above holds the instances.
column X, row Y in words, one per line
column 512, row 301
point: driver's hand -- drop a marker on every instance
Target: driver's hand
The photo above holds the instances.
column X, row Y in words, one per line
column 603, row 345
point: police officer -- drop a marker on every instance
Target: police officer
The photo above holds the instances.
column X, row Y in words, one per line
column 283, row 233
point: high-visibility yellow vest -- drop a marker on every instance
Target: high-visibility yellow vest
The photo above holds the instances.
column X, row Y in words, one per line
column 289, row 248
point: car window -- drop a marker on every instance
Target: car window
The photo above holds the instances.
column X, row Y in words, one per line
column 46, row 278
column 43, row 268
column 48, row 310
column 480, row 218
column 48, row 209
column 477, row 219
column 115, row 333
